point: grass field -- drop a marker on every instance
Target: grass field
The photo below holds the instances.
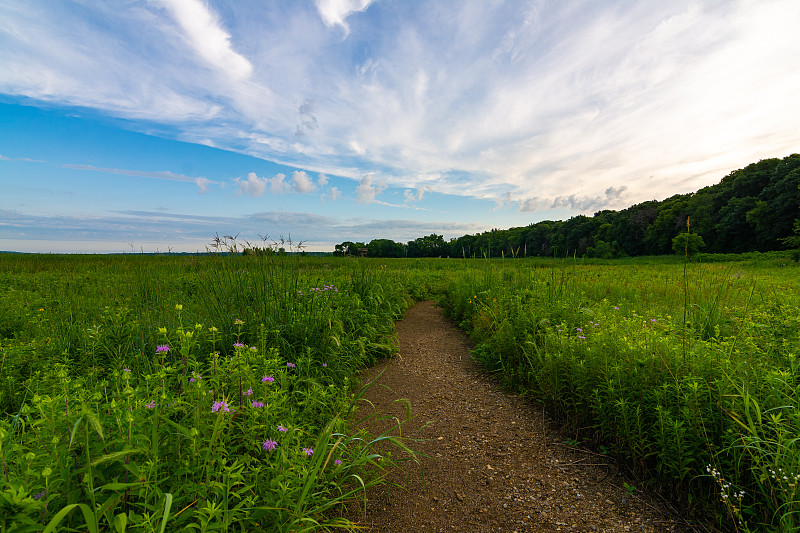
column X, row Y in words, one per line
column 216, row 392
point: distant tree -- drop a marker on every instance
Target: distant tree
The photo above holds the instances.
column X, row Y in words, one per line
column 687, row 244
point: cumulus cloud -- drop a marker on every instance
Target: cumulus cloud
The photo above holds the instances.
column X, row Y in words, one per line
column 277, row 185
column 366, row 190
column 301, row 182
column 202, row 184
column 613, row 198
column 253, row 185
column 335, row 194
column 322, row 180
column 410, row 196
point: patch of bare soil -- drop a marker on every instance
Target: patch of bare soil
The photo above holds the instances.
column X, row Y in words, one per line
column 489, row 461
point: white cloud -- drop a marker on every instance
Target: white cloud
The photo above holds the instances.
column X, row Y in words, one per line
column 277, row 185
column 366, row 191
column 202, row 184
column 335, row 194
column 552, row 100
column 302, row 183
column 335, row 12
column 253, row 185
column 322, row 179
column 207, row 37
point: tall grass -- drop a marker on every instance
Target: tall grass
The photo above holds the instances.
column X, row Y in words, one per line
column 211, row 393
column 687, row 378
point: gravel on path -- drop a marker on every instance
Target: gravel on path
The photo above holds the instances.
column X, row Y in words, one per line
column 488, row 460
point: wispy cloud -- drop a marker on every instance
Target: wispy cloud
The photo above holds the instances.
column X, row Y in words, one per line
column 201, row 182
column 543, row 104
column 335, row 12
column 189, row 232
column 206, row 36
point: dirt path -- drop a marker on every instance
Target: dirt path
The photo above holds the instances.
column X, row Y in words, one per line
column 493, row 461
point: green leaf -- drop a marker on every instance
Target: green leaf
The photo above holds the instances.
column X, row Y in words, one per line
column 167, row 507
column 88, row 516
column 121, row 522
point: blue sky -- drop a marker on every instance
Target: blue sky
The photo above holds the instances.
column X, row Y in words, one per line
column 156, row 124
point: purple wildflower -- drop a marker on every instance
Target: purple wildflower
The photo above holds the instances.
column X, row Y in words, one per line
column 269, row 445
column 281, row 428
column 38, row 496
column 162, row 348
column 237, row 344
column 220, row 405
column 337, row 462
column 581, row 337
column 267, row 378
column 248, row 392
column 324, row 365
column 578, row 329
column 615, row 307
column 308, row 451
column 238, row 321
column 151, row 404
column 290, row 365
column 258, row 404
column 126, row 369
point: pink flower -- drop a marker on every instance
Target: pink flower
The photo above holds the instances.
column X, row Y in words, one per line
column 308, row 451
column 162, row 348
column 258, row 404
column 281, row 428
column 220, row 405
column 267, row 378
column 269, row 445
column 248, row 392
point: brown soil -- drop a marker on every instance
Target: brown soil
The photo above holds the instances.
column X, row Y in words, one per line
column 488, row 460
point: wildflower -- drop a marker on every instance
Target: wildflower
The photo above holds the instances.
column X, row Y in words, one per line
column 581, row 337
column 281, row 428
column 290, row 365
column 238, row 321
column 615, row 307
column 578, row 329
column 248, row 392
column 195, row 377
column 237, row 344
column 308, row 451
column 337, row 462
column 220, row 405
column 38, row 496
column 162, row 348
column 652, row 320
column 253, row 349
column 151, row 404
column 126, row 369
column 269, row 445
column 269, row 379
column 324, row 365
column 258, row 404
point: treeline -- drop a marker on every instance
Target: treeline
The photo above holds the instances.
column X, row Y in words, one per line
column 756, row 208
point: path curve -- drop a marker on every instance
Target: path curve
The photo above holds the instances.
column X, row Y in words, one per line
column 492, row 461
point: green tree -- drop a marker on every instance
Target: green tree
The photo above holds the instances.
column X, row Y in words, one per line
column 687, row 244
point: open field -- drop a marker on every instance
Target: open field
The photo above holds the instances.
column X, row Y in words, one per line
column 215, row 393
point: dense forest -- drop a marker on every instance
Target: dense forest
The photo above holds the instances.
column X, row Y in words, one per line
column 756, row 208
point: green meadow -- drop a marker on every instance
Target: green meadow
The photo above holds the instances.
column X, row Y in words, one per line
column 218, row 393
